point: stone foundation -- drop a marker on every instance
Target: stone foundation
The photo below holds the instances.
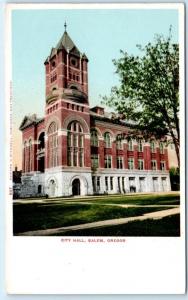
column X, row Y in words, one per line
column 57, row 183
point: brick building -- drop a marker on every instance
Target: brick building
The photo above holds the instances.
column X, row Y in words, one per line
column 78, row 150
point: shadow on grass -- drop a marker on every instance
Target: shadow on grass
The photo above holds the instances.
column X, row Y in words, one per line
column 165, row 227
column 35, row 216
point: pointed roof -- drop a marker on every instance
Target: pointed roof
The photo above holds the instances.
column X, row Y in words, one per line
column 66, row 42
column 29, row 121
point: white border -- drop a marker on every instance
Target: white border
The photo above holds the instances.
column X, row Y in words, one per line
column 96, row 6
column 79, row 268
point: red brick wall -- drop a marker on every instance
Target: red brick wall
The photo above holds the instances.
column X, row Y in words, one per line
column 63, row 69
column 136, row 156
column 61, row 114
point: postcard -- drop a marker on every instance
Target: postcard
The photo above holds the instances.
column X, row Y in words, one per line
column 95, row 149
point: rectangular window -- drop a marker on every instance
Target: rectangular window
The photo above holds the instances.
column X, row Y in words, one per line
column 93, row 182
column 132, row 186
column 152, row 146
column 111, row 183
column 123, row 184
column 81, row 141
column 75, row 140
column 94, row 160
column 119, row 144
column 106, row 183
column 69, row 143
column 30, row 165
column 130, row 145
column 75, row 158
column 98, row 183
column 161, row 147
column 153, row 165
column 162, row 165
column 69, row 158
column 140, row 164
column 81, row 158
column 140, row 146
column 131, row 163
column 108, row 161
column 56, row 140
column 119, row 162
column 119, row 186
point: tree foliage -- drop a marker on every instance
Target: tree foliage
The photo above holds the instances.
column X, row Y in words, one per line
column 148, row 92
column 175, row 178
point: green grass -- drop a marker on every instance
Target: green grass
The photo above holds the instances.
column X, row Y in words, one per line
column 169, row 199
column 119, row 198
column 35, row 216
column 167, row 226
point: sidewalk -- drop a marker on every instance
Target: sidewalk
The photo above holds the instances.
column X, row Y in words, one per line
column 153, row 215
column 88, row 198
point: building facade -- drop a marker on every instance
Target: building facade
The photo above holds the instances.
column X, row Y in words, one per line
column 78, row 150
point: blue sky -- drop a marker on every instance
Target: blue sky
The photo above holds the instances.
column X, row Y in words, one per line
column 99, row 33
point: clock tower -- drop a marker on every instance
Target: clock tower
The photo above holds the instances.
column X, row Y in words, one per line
column 67, row 119
column 66, row 72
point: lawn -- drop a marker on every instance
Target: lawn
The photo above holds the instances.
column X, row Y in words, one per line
column 54, row 213
column 168, row 226
column 168, row 199
column 35, row 216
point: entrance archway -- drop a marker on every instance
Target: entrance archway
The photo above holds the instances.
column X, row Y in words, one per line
column 76, row 187
column 52, row 188
column 39, row 189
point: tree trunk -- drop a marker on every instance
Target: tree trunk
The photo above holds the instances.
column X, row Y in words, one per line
column 176, row 144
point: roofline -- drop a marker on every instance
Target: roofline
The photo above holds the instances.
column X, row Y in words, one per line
column 31, row 124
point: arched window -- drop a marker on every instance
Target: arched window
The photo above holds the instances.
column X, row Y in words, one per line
column 53, row 145
column 75, row 145
column 130, row 145
column 39, row 189
column 161, row 147
column 140, row 145
column 119, row 142
column 24, row 157
column 107, row 140
column 94, row 138
column 152, row 145
column 41, row 141
column 30, row 156
column 40, row 152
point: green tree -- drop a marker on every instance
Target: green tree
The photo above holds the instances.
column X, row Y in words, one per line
column 175, row 178
column 148, row 92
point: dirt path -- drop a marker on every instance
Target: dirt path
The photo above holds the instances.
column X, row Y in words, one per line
column 152, row 215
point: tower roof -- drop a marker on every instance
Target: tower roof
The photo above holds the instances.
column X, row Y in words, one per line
column 66, row 43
